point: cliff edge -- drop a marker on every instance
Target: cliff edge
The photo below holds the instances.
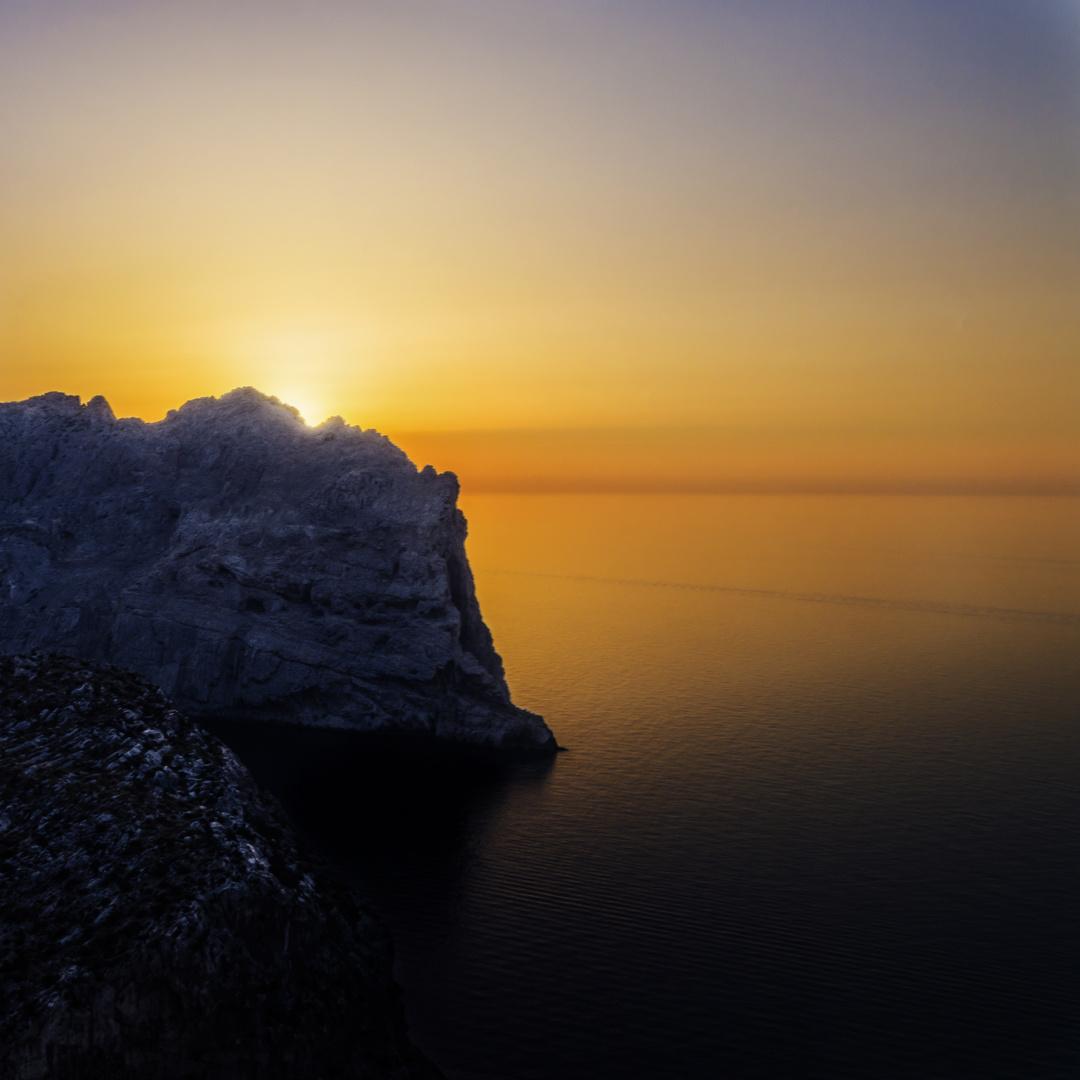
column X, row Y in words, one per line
column 250, row 566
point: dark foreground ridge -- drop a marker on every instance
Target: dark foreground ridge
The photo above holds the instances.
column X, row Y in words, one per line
column 250, row 566
column 157, row 919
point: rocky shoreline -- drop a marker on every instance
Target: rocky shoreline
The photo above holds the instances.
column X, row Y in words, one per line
column 159, row 919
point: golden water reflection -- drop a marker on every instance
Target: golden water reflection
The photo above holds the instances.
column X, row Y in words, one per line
column 600, row 599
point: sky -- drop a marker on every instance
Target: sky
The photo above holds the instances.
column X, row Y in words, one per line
column 589, row 245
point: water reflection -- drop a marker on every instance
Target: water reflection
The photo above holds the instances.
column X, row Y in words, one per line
column 405, row 822
column 790, row 839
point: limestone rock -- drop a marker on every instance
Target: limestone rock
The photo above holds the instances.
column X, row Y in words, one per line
column 158, row 920
column 250, row 566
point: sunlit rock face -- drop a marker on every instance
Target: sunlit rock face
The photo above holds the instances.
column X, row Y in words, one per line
column 159, row 920
column 250, row 566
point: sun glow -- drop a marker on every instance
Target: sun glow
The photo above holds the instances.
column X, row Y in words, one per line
column 299, row 366
column 705, row 254
column 312, row 411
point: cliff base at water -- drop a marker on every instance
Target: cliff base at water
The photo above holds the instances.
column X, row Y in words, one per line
column 250, row 566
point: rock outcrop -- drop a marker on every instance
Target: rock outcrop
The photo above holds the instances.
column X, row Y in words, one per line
column 250, row 566
column 157, row 919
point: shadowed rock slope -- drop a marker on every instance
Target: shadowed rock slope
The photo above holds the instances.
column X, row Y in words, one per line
column 250, row 566
column 156, row 917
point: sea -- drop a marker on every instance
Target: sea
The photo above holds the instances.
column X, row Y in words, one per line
column 818, row 812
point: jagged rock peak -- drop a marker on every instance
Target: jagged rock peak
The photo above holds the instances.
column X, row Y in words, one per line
column 160, row 920
column 243, row 403
column 251, row 566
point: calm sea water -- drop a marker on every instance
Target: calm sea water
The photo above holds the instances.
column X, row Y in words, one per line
column 819, row 815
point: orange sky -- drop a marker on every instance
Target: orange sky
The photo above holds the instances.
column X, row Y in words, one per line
column 683, row 245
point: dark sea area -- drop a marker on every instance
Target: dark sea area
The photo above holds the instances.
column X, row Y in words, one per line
column 818, row 815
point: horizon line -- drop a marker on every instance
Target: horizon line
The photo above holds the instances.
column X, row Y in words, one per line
column 970, row 488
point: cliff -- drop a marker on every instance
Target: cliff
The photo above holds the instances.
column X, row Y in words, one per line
column 158, row 920
column 250, row 566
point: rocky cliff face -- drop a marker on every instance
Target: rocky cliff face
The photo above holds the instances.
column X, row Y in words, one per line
column 158, row 920
column 250, row 566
